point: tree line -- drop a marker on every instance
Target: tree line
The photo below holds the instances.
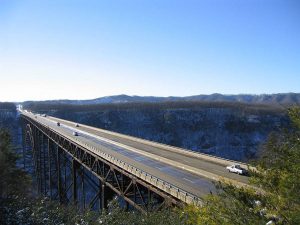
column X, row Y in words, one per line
column 274, row 199
column 7, row 106
column 148, row 106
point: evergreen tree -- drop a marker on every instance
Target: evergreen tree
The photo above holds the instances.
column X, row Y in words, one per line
column 276, row 193
column 14, row 181
column 279, row 172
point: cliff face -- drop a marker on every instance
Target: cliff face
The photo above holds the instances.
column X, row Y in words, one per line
column 229, row 132
column 275, row 99
column 9, row 118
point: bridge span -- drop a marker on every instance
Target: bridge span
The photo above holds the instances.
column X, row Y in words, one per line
column 68, row 157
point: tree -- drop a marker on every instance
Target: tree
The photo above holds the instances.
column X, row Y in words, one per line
column 279, row 172
column 229, row 206
column 276, row 187
column 14, row 181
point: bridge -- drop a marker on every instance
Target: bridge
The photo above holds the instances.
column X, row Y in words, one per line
column 87, row 166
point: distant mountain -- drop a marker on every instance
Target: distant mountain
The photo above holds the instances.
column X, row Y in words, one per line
column 229, row 126
column 280, row 99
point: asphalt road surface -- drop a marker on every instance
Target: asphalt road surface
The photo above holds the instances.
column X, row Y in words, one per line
column 135, row 152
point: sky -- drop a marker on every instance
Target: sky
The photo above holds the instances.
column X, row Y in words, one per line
column 84, row 49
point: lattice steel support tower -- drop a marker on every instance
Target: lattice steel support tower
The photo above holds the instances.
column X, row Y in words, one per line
column 71, row 173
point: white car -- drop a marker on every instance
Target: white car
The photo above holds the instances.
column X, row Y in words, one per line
column 75, row 133
column 236, row 168
column 76, row 125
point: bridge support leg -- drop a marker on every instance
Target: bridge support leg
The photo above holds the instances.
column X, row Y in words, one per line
column 23, row 143
column 44, row 155
column 50, row 168
column 149, row 200
column 69, row 180
column 59, row 187
column 83, row 194
column 106, row 196
column 39, row 162
column 103, row 200
column 75, row 166
column 100, row 195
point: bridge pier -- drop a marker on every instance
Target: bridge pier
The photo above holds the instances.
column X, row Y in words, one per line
column 75, row 166
column 59, row 186
column 49, row 148
column 39, row 162
column 106, row 196
column 73, row 173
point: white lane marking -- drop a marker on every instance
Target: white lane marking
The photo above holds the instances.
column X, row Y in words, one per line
column 187, row 161
column 188, row 180
column 191, row 169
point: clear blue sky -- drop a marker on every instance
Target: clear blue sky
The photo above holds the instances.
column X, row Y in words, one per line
column 80, row 49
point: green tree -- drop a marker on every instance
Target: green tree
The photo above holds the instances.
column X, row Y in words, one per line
column 14, row 181
column 279, row 172
column 276, row 187
column 230, row 206
column 119, row 216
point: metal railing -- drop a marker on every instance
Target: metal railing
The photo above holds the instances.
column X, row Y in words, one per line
column 159, row 183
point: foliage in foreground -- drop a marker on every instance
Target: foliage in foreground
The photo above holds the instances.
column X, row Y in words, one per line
column 230, row 206
column 43, row 211
column 279, row 173
column 276, row 196
column 17, row 206
column 26, row 211
column 14, row 181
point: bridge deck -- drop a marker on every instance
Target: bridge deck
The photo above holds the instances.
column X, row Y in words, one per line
column 191, row 172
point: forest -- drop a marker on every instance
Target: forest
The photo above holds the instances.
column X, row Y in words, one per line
column 230, row 130
column 274, row 195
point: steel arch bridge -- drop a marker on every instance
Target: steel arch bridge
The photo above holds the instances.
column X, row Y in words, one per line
column 70, row 173
column 88, row 167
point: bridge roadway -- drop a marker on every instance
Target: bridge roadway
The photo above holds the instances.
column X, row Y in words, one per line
column 189, row 171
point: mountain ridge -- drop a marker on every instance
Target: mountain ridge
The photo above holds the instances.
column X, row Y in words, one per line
column 279, row 99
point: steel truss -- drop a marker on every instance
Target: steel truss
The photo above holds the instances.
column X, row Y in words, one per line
column 71, row 173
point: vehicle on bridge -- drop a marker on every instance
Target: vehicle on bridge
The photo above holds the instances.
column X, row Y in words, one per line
column 236, row 168
column 95, row 149
column 76, row 125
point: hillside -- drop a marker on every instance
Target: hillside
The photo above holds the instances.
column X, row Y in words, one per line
column 274, row 99
column 227, row 129
column 285, row 99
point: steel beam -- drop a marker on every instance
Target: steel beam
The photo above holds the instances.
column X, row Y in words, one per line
column 112, row 180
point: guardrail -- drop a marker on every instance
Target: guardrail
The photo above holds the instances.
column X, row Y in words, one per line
column 157, row 182
column 204, row 156
column 197, row 171
column 161, row 184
